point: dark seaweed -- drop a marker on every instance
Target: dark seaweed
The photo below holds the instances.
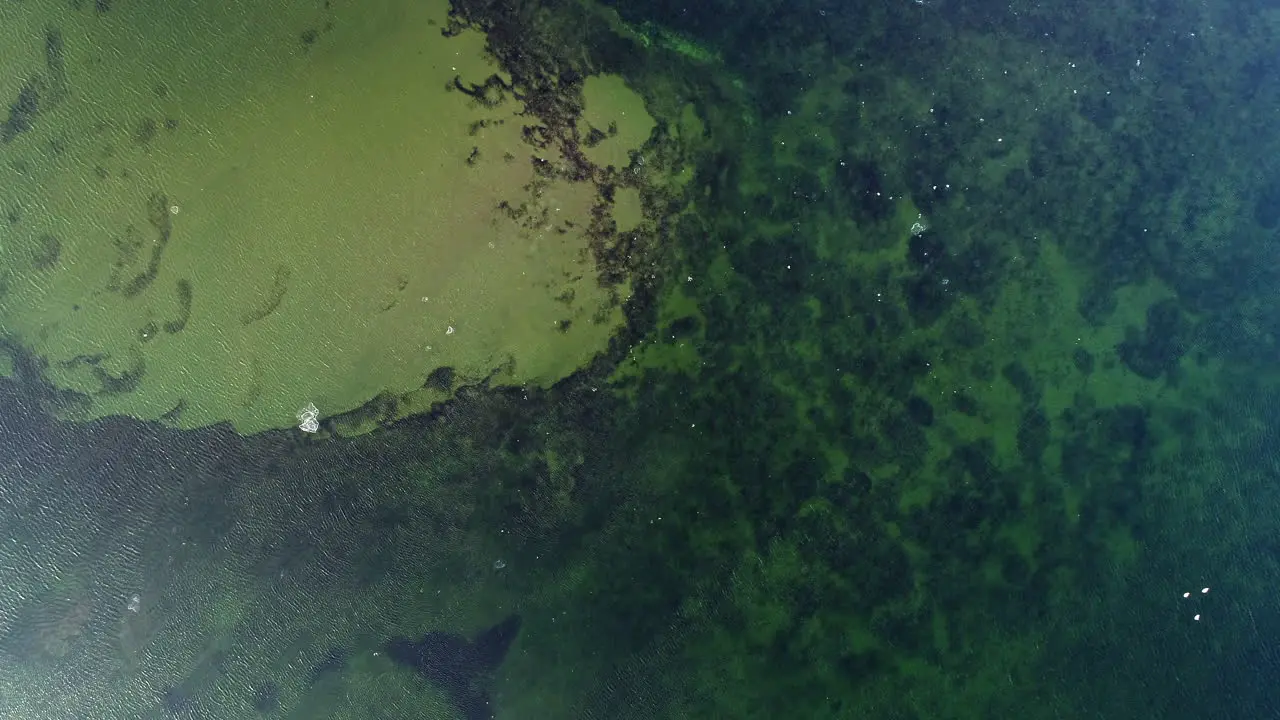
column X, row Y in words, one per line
column 48, row 250
column 184, row 292
column 55, row 63
column 161, row 220
column 275, row 295
column 22, row 113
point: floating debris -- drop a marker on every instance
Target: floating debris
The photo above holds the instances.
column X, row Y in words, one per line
column 309, row 418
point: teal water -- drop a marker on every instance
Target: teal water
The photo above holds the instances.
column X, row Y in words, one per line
column 947, row 390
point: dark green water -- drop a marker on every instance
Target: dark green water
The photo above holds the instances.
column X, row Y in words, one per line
column 956, row 399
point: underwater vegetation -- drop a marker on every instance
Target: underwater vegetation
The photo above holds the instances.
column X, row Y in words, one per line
column 265, row 698
column 958, row 366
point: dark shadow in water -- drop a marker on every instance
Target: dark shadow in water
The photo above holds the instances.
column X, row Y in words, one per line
column 460, row 667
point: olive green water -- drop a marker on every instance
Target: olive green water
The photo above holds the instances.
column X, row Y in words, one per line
column 249, row 208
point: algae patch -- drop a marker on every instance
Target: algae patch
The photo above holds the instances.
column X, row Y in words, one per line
column 332, row 224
